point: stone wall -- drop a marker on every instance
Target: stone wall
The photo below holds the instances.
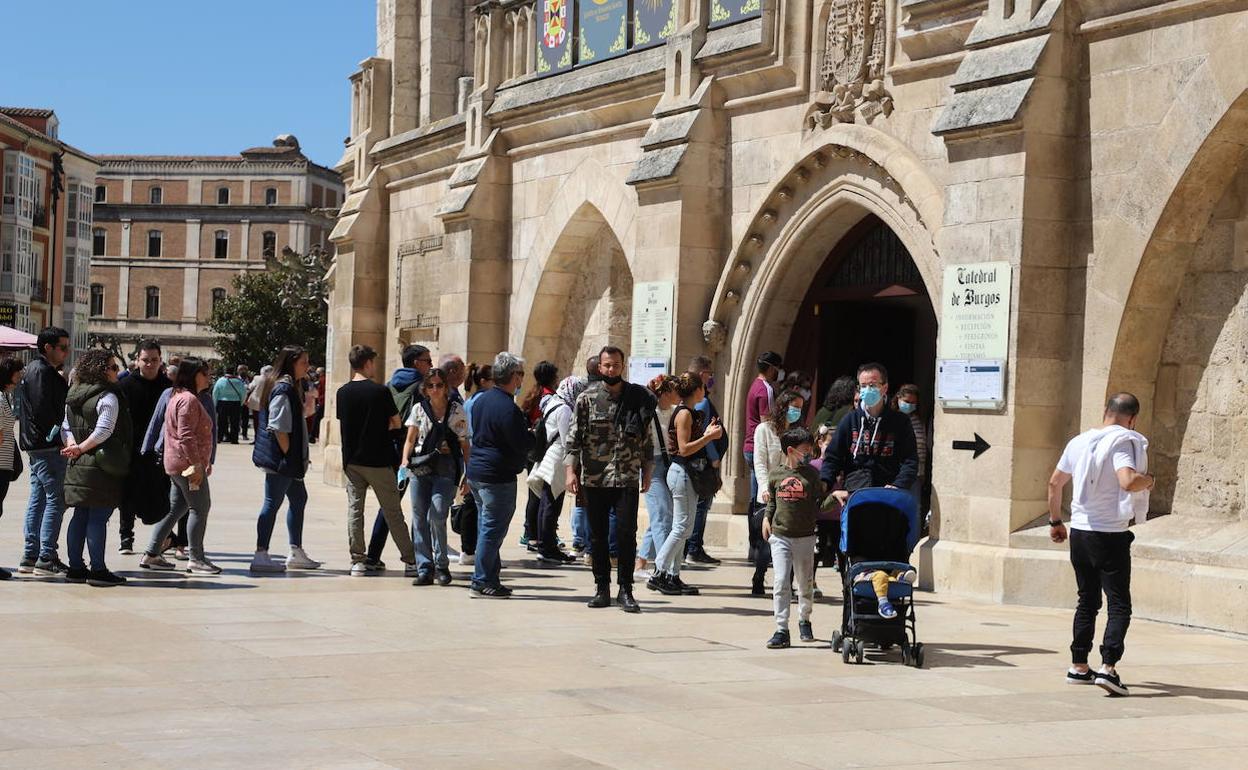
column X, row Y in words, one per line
column 1200, row 429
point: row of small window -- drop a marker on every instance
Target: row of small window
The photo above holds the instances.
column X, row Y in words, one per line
column 151, row 307
column 155, row 239
column 156, row 195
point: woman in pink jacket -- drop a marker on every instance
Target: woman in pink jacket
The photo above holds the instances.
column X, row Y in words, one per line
column 188, row 461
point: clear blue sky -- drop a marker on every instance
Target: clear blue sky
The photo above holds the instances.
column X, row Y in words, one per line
column 186, row 77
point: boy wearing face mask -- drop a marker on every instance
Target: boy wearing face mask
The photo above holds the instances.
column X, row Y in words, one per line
column 794, row 492
column 874, row 445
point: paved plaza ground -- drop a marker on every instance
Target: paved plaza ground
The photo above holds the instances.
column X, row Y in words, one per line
column 319, row 670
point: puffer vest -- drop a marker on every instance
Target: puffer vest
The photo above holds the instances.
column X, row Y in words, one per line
column 96, row 478
column 266, row 454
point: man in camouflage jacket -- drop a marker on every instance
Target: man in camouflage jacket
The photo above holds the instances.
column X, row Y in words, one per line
column 610, row 456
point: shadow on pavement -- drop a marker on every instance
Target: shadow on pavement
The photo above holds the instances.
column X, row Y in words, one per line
column 1179, row 691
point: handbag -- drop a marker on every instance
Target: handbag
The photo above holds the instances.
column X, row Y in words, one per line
column 425, row 462
column 705, row 477
column 460, row 512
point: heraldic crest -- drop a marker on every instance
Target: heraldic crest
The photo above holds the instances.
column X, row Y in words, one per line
column 851, row 71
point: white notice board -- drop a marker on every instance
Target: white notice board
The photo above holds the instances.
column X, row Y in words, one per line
column 642, row 370
column 963, row 383
column 652, row 319
column 975, row 311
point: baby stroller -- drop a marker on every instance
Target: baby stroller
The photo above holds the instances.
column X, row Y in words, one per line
column 879, row 530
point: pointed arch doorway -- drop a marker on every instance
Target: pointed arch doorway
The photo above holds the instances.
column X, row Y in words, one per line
column 867, row 302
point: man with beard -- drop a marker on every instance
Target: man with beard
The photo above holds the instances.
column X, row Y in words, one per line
column 147, row 489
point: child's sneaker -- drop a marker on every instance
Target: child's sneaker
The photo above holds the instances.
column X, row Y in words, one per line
column 909, row 576
column 887, row 611
column 805, row 631
column 1075, row 677
column 778, row 640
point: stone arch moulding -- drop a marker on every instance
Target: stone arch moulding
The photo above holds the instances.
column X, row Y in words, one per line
column 846, row 172
column 1144, row 250
column 589, row 191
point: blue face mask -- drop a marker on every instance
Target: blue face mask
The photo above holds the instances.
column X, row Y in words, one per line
column 793, row 414
column 905, row 407
column 871, row 396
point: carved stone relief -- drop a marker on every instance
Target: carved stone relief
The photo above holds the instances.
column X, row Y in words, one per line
column 851, row 70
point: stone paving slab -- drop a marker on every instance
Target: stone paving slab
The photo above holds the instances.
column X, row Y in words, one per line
column 327, row 671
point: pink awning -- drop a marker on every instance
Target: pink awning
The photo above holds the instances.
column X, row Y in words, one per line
column 12, row 339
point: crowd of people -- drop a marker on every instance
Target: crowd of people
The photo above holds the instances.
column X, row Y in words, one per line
column 144, row 442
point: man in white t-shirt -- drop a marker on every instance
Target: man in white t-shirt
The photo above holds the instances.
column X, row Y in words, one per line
column 1107, row 465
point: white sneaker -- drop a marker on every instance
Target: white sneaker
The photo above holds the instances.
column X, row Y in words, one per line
column 156, row 563
column 451, row 553
column 263, row 562
column 359, row 569
column 909, row 576
column 410, row 570
column 202, row 567
column 466, row 560
column 642, row 575
column 298, row 559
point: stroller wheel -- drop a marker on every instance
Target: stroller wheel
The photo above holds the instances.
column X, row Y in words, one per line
column 858, row 650
column 837, row 641
column 846, row 649
column 918, row 655
column 905, row 654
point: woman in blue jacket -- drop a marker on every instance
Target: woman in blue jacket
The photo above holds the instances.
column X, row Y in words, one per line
column 281, row 451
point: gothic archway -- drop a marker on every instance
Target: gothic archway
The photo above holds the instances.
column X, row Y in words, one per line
column 848, row 173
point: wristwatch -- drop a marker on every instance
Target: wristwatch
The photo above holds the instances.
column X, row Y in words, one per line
column 1056, row 522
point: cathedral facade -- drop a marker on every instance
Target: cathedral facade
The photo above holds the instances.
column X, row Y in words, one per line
column 1019, row 206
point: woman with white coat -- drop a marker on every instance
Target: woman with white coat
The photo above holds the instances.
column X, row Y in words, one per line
column 548, row 479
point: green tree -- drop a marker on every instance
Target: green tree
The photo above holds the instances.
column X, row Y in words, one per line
column 283, row 305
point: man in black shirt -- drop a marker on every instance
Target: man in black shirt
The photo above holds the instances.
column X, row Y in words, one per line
column 366, row 415
column 873, row 446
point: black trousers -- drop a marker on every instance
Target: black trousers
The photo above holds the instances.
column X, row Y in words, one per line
column 532, row 517
column 244, row 420
column 548, row 520
column 1102, row 562
column 227, row 421
column 599, row 502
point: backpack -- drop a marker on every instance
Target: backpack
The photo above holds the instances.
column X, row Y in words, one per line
column 404, row 400
column 541, row 441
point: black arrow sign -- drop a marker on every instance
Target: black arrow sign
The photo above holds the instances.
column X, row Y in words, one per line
column 978, row 446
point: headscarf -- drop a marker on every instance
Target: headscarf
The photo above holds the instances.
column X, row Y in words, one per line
column 570, row 389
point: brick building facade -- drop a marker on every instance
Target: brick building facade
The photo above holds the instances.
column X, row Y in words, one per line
column 172, row 232
column 44, row 263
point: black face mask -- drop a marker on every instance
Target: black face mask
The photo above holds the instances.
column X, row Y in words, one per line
column 616, row 380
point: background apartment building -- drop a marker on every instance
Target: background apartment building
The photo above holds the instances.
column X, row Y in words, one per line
column 44, row 257
column 171, row 233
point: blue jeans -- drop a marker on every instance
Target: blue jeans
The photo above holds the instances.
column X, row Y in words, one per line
column 497, row 506
column 699, row 527
column 46, row 506
column 88, row 526
column 684, row 507
column 276, row 488
column 659, row 508
column 431, row 502
column 580, row 529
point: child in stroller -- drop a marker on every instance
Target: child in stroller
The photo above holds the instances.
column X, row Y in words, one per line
column 879, row 530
